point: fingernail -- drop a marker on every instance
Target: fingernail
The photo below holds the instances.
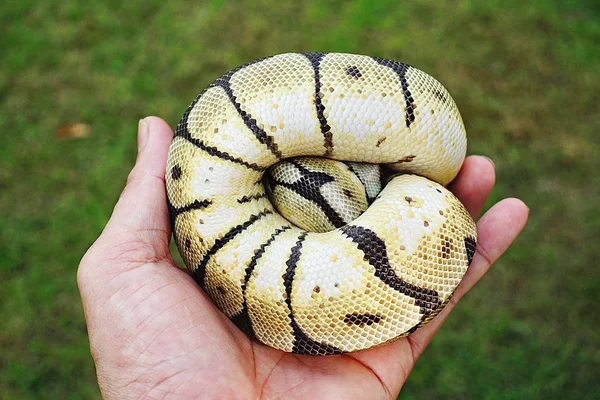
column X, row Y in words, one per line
column 490, row 160
column 142, row 134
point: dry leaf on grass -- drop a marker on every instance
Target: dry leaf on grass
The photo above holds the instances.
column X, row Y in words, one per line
column 74, row 130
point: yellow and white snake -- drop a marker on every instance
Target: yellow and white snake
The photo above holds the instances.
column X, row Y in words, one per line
column 344, row 279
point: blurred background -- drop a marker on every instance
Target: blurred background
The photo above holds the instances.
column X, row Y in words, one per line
column 76, row 76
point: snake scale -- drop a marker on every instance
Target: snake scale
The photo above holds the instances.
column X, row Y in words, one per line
column 299, row 250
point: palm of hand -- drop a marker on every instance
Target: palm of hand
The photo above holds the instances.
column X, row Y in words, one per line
column 155, row 334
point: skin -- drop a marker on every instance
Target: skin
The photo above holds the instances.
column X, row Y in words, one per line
column 154, row 334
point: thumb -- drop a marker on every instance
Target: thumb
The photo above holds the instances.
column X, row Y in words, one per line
column 139, row 229
column 141, row 211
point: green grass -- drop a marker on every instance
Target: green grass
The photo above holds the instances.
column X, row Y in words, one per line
column 524, row 74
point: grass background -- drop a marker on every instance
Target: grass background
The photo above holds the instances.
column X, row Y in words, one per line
column 524, row 74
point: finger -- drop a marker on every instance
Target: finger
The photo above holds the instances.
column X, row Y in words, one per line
column 142, row 206
column 474, row 183
column 496, row 230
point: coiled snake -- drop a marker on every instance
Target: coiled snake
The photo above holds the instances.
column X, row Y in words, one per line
column 345, row 279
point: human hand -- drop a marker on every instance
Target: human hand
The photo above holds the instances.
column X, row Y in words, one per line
column 155, row 334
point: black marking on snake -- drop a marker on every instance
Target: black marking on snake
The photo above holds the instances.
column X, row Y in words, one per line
column 247, row 199
column 176, row 172
column 354, row 72
column 170, row 207
column 302, row 343
column 309, row 187
column 183, row 132
column 362, row 319
column 242, row 318
column 182, row 129
column 188, row 243
column 243, row 322
column 315, row 60
column 375, row 253
column 369, row 198
column 406, row 159
column 196, row 205
column 174, row 212
column 417, row 325
column 446, row 247
column 440, row 96
column 200, row 272
column 220, row 289
column 471, row 247
column 401, row 69
column 263, row 137
column 413, row 329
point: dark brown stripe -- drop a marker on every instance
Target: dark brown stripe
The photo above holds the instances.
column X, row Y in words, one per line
column 290, row 271
column 315, row 61
column 200, row 272
column 247, row 199
column 369, row 199
column 174, row 212
column 196, row 205
column 400, row 69
column 242, row 318
column 354, row 72
column 260, row 134
column 302, row 343
column 362, row 319
column 182, row 129
column 375, row 253
column 213, row 151
column 407, row 159
column 417, row 325
column 309, row 187
column 470, row 247
column 176, row 172
column 440, row 96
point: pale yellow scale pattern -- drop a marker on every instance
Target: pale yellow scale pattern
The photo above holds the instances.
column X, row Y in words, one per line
column 345, row 196
column 322, row 261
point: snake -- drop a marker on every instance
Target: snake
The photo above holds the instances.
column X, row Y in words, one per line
column 307, row 196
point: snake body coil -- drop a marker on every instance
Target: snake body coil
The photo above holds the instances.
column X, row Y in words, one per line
column 365, row 279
